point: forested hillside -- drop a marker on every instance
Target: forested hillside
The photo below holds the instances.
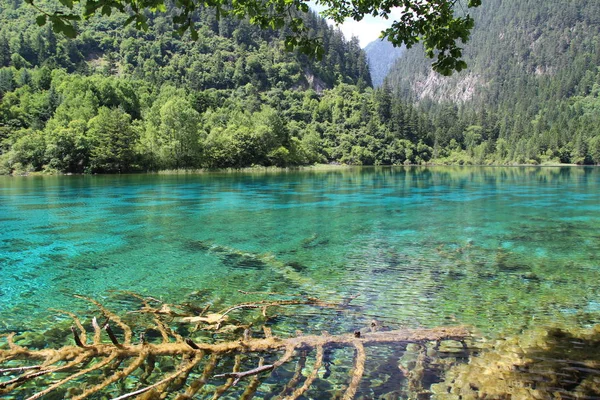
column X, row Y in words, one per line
column 116, row 99
column 530, row 94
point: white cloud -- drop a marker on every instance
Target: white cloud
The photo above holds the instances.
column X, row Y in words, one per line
column 366, row 30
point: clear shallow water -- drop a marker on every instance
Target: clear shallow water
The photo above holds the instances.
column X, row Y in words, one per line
column 501, row 249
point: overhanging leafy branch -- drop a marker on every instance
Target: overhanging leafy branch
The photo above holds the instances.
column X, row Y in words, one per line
column 438, row 24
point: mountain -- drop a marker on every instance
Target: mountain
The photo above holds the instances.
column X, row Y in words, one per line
column 226, row 54
column 116, row 99
column 381, row 55
column 530, row 93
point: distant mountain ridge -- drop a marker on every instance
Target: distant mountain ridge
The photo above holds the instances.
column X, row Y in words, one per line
column 519, row 44
column 116, row 99
column 381, row 56
column 530, row 92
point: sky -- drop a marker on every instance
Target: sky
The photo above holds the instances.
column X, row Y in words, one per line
column 366, row 30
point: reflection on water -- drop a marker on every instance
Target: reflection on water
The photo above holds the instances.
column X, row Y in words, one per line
column 501, row 249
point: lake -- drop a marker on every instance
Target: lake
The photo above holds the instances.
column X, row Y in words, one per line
column 499, row 249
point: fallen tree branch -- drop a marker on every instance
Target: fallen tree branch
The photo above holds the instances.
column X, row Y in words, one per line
column 113, row 361
column 273, row 343
column 73, row 376
column 19, row 370
column 199, row 383
column 222, row 389
column 237, row 376
column 184, row 369
column 357, row 372
column 308, row 382
column 293, row 382
column 253, row 385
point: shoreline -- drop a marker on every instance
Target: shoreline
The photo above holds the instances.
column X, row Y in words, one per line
column 302, row 168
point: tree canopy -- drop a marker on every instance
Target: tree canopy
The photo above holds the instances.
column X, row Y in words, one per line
column 438, row 24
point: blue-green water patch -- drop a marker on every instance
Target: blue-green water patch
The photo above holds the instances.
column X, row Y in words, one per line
column 497, row 248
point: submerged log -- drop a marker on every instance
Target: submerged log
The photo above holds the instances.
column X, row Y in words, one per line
column 115, row 360
column 238, row 257
column 403, row 336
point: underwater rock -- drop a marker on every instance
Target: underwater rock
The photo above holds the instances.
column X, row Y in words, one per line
column 539, row 364
column 296, row 266
column 197, row 245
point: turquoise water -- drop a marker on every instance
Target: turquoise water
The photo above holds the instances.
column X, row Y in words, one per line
column 501, row 249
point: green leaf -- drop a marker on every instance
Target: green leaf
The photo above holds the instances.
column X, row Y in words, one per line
column 129, row 20
column 57, row 24
column 319, row 52
column 193, row 34
column 290, row 43
column 90, row 7
column 67, row 3
column 159, row 7
column 69, row 31
column 41, row 19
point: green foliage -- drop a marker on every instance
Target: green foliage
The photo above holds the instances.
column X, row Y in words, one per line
column 531, row 89
column 148, row 101
column 68, row 149
column 140, row 101
column 435, row 23
column 112, row 140
column 26, row 152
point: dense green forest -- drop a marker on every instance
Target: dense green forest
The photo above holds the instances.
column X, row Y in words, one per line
column 118, row 99
column 530, row 94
